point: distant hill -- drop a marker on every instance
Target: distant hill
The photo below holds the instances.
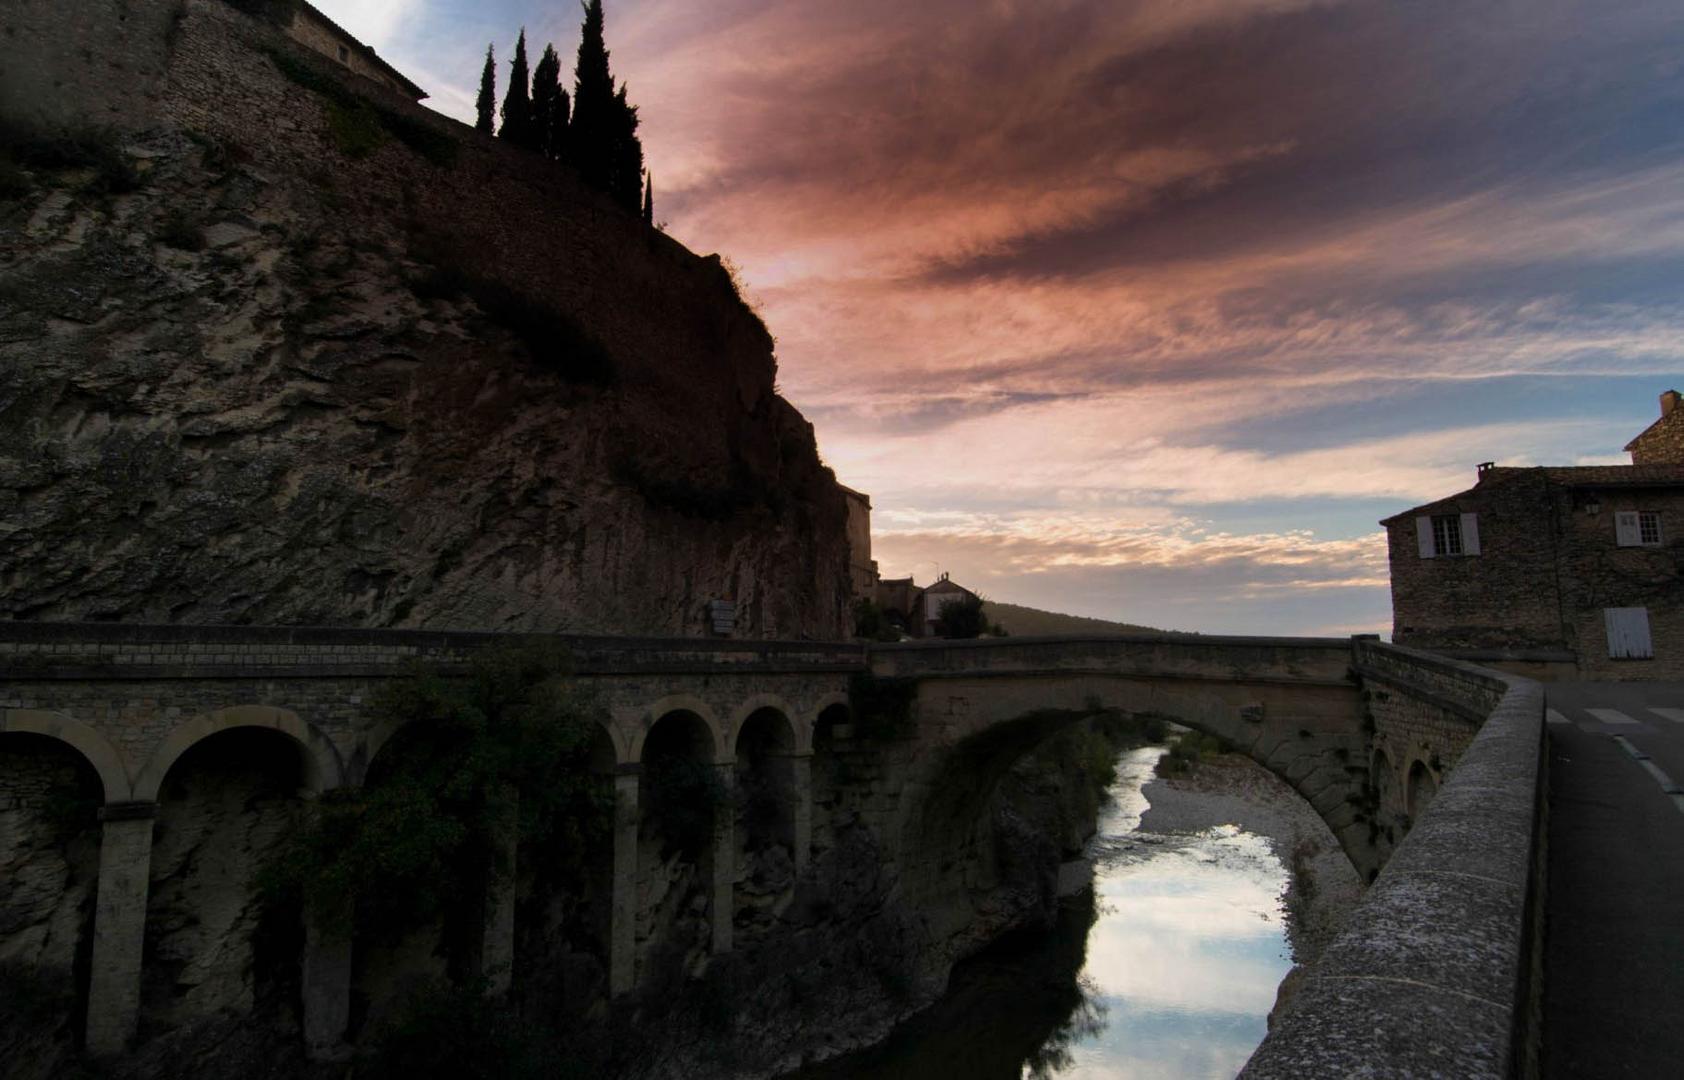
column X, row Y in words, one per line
column 1020, row 621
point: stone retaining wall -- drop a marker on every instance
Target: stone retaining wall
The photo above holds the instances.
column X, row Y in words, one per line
column 1434, row 974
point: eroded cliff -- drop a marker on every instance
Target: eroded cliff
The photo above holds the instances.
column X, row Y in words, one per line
column 259, row 367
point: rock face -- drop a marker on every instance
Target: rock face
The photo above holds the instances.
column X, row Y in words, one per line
column 268, row 376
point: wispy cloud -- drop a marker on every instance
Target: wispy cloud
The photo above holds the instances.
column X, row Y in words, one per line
column 1069, row 285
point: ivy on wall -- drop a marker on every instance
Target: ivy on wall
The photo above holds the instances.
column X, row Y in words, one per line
column 504, row 747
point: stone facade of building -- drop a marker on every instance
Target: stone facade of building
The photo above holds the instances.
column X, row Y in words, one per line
column 316, row 31
column 862, row 568
column 1662, row 443
column 917, row 609
column 1577, row 568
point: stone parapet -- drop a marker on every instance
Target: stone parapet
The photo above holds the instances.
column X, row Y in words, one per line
column 1434, row 974
column 56, row 651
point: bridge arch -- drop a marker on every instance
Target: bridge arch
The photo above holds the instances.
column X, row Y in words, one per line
column 720, row 750
column 94, row 747
column 1297, row 728
column 369, row 747
column 801, row 729
column 323, row 771
column 1420, row 787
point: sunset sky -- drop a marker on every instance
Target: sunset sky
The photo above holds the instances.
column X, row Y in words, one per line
column 1149, row 309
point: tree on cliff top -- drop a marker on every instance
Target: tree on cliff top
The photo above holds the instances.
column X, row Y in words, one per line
column 517, row 103
column 485, row 107
column 649, row 200
column 603, row 135
column 549, row 107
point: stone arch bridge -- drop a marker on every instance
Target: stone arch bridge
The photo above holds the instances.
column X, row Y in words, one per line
column 133, row 705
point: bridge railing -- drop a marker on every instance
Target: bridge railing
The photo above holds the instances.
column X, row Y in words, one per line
column 44, row 650
column 1162, row 656
column 1435, row 973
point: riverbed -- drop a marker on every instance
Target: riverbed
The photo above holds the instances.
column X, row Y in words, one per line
column 1206, row 889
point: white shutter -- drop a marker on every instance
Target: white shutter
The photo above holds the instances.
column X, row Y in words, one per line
column 1470, row 534
column 1628, row 633
column 1424, row 536
column 1627, row 531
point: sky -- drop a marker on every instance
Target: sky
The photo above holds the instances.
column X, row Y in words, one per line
column 1149, row 310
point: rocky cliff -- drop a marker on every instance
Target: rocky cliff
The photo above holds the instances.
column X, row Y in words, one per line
column 281, row 349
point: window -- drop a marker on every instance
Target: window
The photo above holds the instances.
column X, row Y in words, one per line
column 344, row 55
column 1445, row 535
column 1637, row 528
column 1628, row 633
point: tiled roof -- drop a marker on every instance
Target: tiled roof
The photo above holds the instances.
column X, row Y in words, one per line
column 1583, row 475
column 367, row 50
column 1566, row 476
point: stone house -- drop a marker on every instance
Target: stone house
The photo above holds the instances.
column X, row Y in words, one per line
column 918, row 610
column 1573, row 572
column 862, row 568
column 315, row 31
column 1662, row 443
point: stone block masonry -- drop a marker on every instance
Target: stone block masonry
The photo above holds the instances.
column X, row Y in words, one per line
column 1435, row 972
column 134, row 700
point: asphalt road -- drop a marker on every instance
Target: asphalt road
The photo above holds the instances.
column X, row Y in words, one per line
column 1614, row 936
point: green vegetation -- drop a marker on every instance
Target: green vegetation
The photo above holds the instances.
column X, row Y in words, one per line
column 882, row 706
column 595, row 131
column 602, row 138
column 871, row 623
column 355, row 129
column 1187, row 750
column 485, row 105
column 963, row 618
column 504, row 747
column 684, row 796
column 517, row 102
column 550, row 104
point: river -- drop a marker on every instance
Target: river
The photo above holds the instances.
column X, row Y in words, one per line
column 1168, row 968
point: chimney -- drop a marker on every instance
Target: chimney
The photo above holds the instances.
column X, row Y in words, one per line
column 1669, row 401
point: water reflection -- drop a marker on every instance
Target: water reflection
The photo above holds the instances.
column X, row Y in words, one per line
column 1167, row 970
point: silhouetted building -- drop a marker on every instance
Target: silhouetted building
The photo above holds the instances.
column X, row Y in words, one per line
column 1554, row 571
column 316, row 31
column 862, row 568
column 918, row 610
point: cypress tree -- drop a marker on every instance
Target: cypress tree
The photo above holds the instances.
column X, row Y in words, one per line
column 625, row 182
column 517, row 103
column 549, row 104
column 603, row 137
column 590, row 136
column 649, row 199
column 486, row 105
